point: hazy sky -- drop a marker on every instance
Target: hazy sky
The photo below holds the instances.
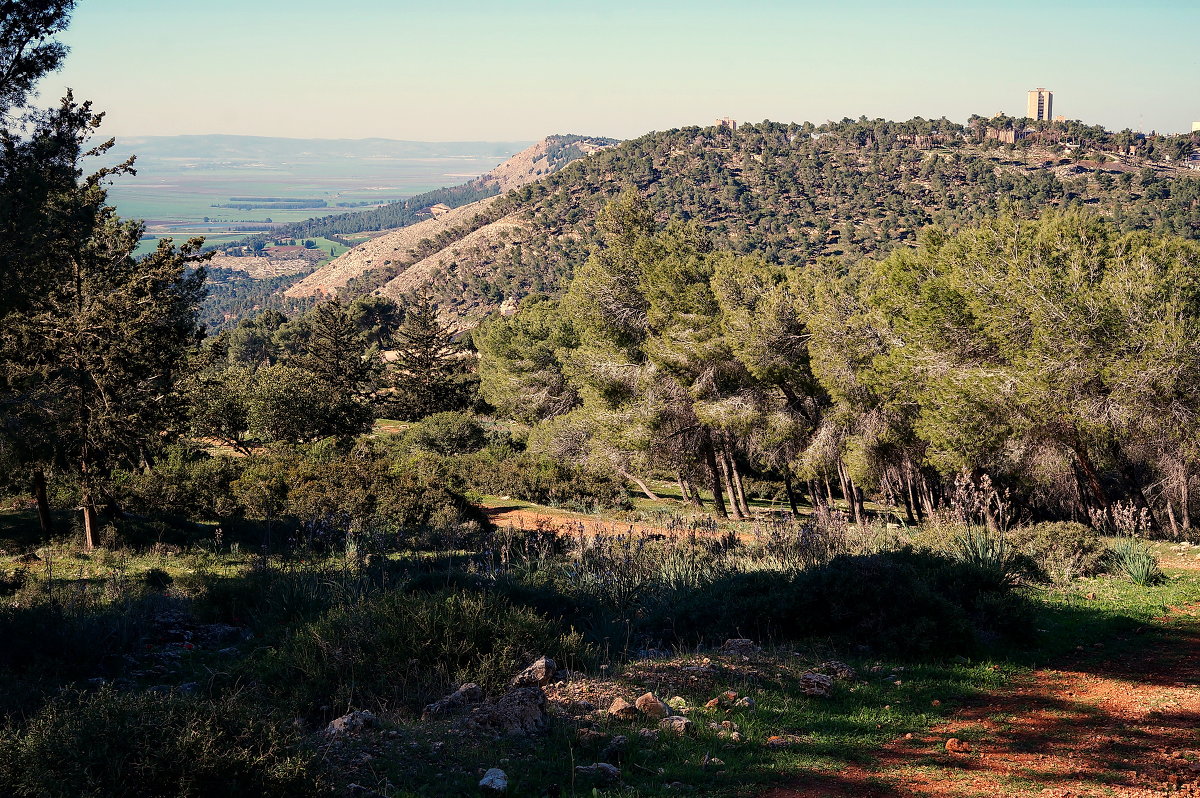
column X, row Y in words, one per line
column 522, row 69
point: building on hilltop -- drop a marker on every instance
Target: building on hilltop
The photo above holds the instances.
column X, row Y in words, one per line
column 1040, row 103
column 726, row 122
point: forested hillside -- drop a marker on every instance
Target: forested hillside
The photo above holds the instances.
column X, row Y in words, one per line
column 796, row 193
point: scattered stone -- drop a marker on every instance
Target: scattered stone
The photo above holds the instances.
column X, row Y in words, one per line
column 650, row 704
column 351, row 723
column 600, row 771
column 957, row 746
column 713, row 704
column 622, row 709
column 935, row 703
column 676, row 724
column 97, row 682
column 728, row 696
column 539, row 674
column 469, row 693
column 816, row 684
column 648, row 734
column 1090, row 597
column 493, row 782
column 519, row 712
column 740, row 646
column 231, row 651
column 746, row 702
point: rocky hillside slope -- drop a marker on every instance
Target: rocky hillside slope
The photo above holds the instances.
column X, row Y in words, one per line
column 791, row 193
column 387, row 255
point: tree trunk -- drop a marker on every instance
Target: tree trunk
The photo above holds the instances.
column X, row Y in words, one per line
column 684, row 494
column 710, row 458
column 45, row 520
column 912, row 498
column 1093, row 479
column 860, row 508
column 723, row 460
column 1171, row 518
column 1133, row 485
column 847, row 494
column 1185, row 499
column 791, row 494
column 89, row 522
column 644, row 487
column 739, row 488
column 694, row 494
column 828, row 491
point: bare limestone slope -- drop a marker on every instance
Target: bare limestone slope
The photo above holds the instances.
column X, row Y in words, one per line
column 398, row 247
column 408, row 256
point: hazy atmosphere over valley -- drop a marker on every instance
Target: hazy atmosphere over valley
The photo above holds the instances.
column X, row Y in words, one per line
column 760, row 400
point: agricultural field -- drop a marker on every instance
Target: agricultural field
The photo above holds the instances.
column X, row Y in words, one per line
column 179, row 180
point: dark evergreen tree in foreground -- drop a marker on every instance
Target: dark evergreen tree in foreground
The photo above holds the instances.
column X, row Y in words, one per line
column 92, row 340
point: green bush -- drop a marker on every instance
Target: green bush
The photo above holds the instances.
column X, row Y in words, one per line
column 403, row 648
column 185, row 483
column 1133, row 559
column 1060, row 550
column 449, row 432
column 900, row 602
column 148, row 744
column 538, row 478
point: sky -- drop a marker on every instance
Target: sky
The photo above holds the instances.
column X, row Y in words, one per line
column 512, row 70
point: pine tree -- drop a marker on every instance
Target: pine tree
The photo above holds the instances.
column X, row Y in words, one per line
column 430, row 371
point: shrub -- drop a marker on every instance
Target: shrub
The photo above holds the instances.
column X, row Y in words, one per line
column 1060, row 550
column 532, row 477
column 404, row 648
column 151, row 744
column 449, row 432
column 1133, row 559
column 988, row 554
column 902, row 602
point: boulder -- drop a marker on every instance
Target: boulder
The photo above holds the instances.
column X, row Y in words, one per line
column 741, row 646
column 538, row 674
column 676, row 724
column 520, row 712
column 599, row 771
column 816, row 684
column 622, row 709
column 838, row 670
column 467, row 694
column 494, row 782
column 351, row 723
column 652, row 705
column 615, row 749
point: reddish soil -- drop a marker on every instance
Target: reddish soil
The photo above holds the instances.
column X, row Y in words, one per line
column 564, row 521
column 1124, row 727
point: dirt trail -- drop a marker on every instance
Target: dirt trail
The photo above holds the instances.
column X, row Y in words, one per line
column 522, row 518
column 1126, row 726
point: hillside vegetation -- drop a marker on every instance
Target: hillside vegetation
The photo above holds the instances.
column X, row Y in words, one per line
column 796, row 193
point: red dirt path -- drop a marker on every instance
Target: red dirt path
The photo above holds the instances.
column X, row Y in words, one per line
column 1126, row 728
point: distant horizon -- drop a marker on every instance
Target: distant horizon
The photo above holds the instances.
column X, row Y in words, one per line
column 407, row 71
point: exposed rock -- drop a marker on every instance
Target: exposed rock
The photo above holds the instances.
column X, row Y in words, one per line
column 622, row 709
column 676, row 724
column 469, row 693
column 740, row 645
column 957, row 746
column 539, row 674
column 518, row 712
column 816, row 684
column 615, row 749
column 652, row 705
column 590, row 738
column 351, row 723
column 838, row 670
column 648, row 734
column 746, row 702
column 493, row 782
column 600, row 771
